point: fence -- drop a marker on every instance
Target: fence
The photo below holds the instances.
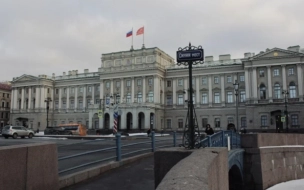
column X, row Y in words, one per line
column 219, row 139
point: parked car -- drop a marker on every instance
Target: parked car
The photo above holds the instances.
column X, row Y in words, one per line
column 54, row 131
column 74, row 129
column 17, row 131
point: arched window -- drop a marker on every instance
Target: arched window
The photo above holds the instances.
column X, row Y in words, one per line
column 34, row 103
column 150, row 97
column 277, row 91
column 292, row 90
column 262, row 92
column 139, row 97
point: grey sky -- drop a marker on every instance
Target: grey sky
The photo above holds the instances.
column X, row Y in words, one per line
column 55, row 36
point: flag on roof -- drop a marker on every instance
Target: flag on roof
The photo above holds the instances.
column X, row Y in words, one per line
column 130, row 33
column 140, row 31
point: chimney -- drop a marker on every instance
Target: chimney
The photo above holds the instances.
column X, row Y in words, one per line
column 63, row 74
column 86, row 70
column 209, row 58
column 248, row 54
column 225, row 57
column 294, row 48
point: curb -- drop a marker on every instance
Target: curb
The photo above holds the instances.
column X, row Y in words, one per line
column 81, row 176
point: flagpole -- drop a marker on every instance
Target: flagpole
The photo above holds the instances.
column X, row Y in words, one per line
column 132, row 40
column 143, row 38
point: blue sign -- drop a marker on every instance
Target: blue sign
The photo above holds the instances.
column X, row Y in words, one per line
column 190, row 55
column 108, row 101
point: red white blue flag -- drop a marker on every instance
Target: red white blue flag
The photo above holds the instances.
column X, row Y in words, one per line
column 130, row 33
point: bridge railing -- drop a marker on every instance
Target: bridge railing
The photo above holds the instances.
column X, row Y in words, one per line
column 220, row 139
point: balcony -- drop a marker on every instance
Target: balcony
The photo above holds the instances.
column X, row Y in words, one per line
column 278, row 100
column 293, row 100
column 5, row 109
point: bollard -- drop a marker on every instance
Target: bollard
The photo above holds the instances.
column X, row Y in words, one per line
column 153, row 141
column 174, row 139
column 118, row 147
column 228, row 143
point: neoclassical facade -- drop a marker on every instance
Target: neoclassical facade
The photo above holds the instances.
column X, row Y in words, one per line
column 5, row 102
column 148, row 90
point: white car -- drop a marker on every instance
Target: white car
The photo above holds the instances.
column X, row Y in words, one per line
column 17, row 131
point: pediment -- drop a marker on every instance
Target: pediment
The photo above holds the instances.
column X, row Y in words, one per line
column 229, row 88
column 203, row 89
column 216, row 88
column 25, row 78
column 276, row 53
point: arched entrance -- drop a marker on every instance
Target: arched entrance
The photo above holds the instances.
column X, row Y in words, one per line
column 235, row 178
column 107, row 121
column 231, row 127
column 152, row 120
column 129, row 121
column 141, row 120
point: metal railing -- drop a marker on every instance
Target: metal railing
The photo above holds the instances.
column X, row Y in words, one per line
column 118, row 150
column 219, row 139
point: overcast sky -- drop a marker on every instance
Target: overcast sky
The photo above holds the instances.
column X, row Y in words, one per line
column 55, row 36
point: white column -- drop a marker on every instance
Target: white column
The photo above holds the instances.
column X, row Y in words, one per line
column 269, row 84
column 22, row 98
column 210, row 90
column 186, row 89
column 68, row 98
column 197, row 96
column 134, row 119
column 255, row 86
column 156, row 89
column 132, row 90
column 37, row 101
column 162, row 94
column 12, row 103
column 52, row 97
column 42, row 97
column 101, row 122
column 122, row 95
column 300, row 81
column 123, row 120
column 174, row 92
column 111, row 112
column 284, row 77
column 30, row 98
column 76, row 98
column 93, row 94
column 112, row 87
column 223, row 90
column 60, row 100
column 144, row 89
column 84, row 97
column 247, row 84
column 147, row 119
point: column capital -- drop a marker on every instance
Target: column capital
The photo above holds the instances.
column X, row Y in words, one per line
column 300, row 64
column 283, row 65
column 268, row 66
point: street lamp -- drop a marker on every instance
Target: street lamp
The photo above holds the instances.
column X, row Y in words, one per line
column 48, row 100
column 285, row 93
column 236, row 88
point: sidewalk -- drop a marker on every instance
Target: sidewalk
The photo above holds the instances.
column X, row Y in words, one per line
column 136, row 176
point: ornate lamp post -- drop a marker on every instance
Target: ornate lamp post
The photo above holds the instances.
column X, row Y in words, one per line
column 286, row 93
column 48, row 100
column 236, row 88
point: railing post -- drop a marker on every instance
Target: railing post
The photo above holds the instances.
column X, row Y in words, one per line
column 118, row 147
column 231, row 140
column 174, row 139
column 223, row 139
column 209, row 141
column 153, row 141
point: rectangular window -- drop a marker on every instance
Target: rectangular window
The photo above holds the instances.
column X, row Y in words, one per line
column 216, row 97
column 72, row 104
column 55, row 123
column 290, row 71
column 107, row 84
column 34, row 90
column 216, row 80
column 204, row 98
column 89, row 88
column 150, row 82
column 242, row 78
column 138, row 82
column 98, row 88
column 128, row 99
column 48, row 90
column 243, row 122
column 180, row 99
column 169, row 124
column 20, row 91
column 180, row 123
column 80, row 89
column 73, row 90
column 229, row 79
column 204, row 80
column 64, row 90
column 294, row 120
column 97, row 101
column 57, row 91
column 56, row 104
column 262, row 73
column 128, row 83
column 230, row 120
column 229, row 97
column 180, row 82
column 276, row 72
column 8, row 95
column 204, row 122
column 169, row 83
column 169, row 100
column 264, row 120
column 117, row 84
column 88, row 102
column 242, row 96
column 63, row 104
column 138, row 60
column 80, row 104
column 217, row 123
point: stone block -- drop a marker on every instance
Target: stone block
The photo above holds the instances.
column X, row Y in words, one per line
column 81, row 176
column 94, row 172
column 105, row 168
column 66, row 181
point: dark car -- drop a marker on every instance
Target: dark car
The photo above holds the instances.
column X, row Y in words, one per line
column 54, row 131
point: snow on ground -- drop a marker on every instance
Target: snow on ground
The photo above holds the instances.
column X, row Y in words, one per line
column 282, row 146
column 52, row 138
column 290, row 185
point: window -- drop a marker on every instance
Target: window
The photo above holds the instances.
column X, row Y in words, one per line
column 56, row 104
column 180, row 123
column 217, row 97
column 262, row 73
column 80, row 89
column 230, row 120
column 138, row 60
column 72, row 104
column 98, row 88
column 204, row 98
column 80, row 104
column 204, row 80
column 48, row 90
column 88, row 102
column 216, row 80
column 229, row 79
column 89, row 88
column 229, row 97
column 292, row 90
column 128, row 98
column 107, row 84
column 169, row 83
column 138, row 82
column 117, row 84
column 26, row 104
column 34, row 90
column 168, row 124
column 277, row 91
column 150, row 59
column 150, row 97
column 117, row 62
column 64, row 90
column 139, row 97
column 193, row 82
column 290, row 71
column 294, row 120
column 72, row 90
column 150, row 82
column 63, row 104
column 242, row 96
column 3, row 94
column 97, row 101
column 20, row 91
column 128, row 83
column 276, row 72
column 243, row 122
column 204, row 122
column 217, row 122
column 262, row 92
column 34, row 103
column 55, row 123
column 180, row 82
column 8, row 95
column 169, row 100
column 264, row 120
column 129, row 61
column 7, row 104
column 193, row 98
column 180, row 99
column 26, row 91
column 242, row 78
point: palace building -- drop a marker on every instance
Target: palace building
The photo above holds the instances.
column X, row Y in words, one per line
column 148, row 90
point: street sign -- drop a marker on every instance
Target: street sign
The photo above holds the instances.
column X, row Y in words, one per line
column 282, row 119
column 100, row 113
column 190, row 55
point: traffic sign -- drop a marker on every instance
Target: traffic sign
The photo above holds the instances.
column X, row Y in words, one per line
column 100, row 113
column 283, row 119
column 190, row 55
